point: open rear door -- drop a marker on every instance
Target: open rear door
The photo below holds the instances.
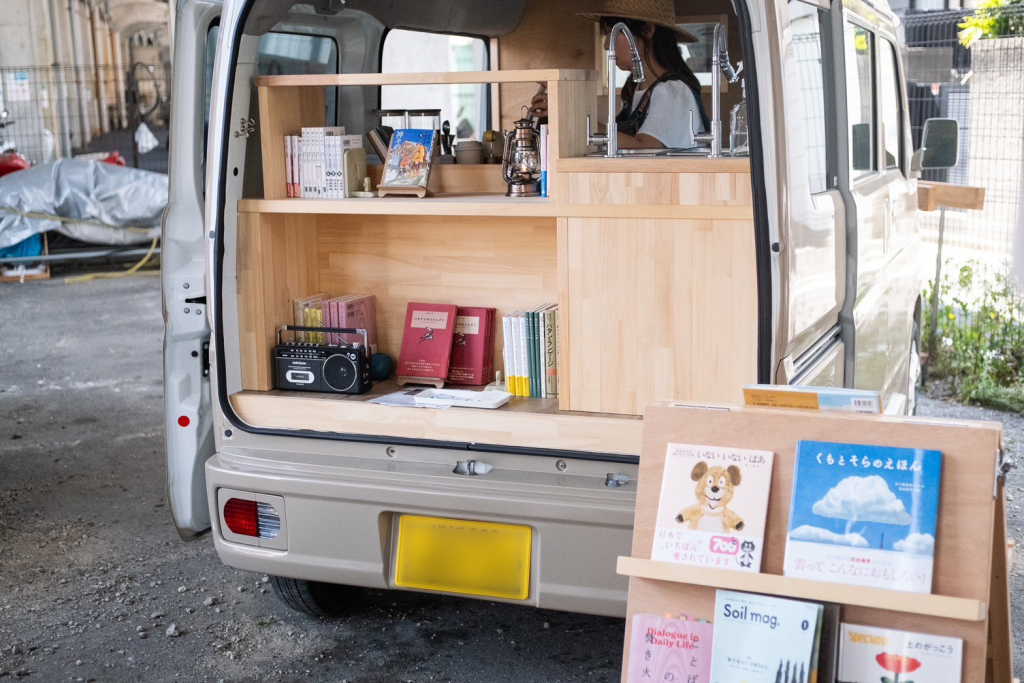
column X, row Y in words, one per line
column 187, row 411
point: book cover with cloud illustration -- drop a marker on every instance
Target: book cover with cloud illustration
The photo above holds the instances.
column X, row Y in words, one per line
column 864, row 515
column 880, row 655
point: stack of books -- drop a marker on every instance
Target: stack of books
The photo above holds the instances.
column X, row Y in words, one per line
column 532, row 352
column 357, row 311
column 315, row 163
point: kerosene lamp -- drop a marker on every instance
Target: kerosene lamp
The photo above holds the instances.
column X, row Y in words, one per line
column 520, row 165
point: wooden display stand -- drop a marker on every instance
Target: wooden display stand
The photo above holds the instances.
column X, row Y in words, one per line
column 970, row 590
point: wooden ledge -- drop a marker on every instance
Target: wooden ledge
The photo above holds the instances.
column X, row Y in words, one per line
column 822, row 591
column 431, row 78
column 653, row 165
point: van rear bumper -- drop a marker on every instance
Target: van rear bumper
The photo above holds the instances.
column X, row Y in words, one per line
column 339, row 522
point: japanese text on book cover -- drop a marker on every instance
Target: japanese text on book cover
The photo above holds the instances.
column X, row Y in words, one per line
column 408, row 162
column 712, row 507
column 878, row 655
column 663, row 649
column 864, row 515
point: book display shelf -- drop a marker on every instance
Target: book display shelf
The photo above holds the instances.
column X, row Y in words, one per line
column 651, row 262
column 970, row 593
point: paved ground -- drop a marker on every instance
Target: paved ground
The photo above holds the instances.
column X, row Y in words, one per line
column 92, row 574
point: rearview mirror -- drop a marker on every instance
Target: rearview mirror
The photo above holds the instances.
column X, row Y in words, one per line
column 940, row 145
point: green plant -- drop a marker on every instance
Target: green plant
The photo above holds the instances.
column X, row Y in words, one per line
column 979, row 341
column 992, row 19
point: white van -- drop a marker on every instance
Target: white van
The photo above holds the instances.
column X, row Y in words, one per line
column 788, row 259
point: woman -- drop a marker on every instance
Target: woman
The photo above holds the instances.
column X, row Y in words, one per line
column 655, row 112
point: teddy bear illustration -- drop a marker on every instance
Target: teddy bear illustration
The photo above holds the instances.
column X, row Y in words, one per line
column 715, row 488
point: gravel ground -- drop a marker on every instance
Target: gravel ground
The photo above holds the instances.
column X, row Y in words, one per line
column 95, row 584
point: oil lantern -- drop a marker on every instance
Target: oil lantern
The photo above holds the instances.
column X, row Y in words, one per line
column 520, row 166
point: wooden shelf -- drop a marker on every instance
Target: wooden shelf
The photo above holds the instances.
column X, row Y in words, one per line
column 523, row 422
column 683, row 164
column 430, row 78
column 773, row 584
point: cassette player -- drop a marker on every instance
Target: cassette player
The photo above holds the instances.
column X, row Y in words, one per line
column 330, row 368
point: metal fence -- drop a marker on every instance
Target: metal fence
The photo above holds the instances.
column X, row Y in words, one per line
column 57, row 112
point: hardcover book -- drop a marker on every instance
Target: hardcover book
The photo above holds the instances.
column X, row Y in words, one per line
column 712, row 507
column 664, row 649
column 356, row 311
column 762, row 639
column 407, row 167
column 879, row 655
column 427, row 341
column 864, row 515
column 473, row 348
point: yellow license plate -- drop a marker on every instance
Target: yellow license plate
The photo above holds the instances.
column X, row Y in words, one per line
column 456, row 556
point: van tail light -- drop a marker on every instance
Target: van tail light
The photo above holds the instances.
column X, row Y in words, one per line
column 251, row 518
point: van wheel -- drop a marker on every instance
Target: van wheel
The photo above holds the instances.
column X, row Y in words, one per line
column 315, row 598
column 913, row 374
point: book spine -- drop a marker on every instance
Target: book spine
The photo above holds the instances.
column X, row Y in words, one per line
column 329, row 168
column 505, row 355
column 298, row 320
column 542, row 374
column 549, row 352
column 538, row 366
column 557, row 345
column 287, row 166
column 527, row 356
column 543, row 160
column 294, row 180
column 304, row 146
column 321, row 149
column 531, row 332
column 520, row 351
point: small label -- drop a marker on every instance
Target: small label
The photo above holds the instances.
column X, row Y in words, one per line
column 435, row 320
column 467, row 324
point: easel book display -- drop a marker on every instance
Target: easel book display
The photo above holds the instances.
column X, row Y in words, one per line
column 940, row 513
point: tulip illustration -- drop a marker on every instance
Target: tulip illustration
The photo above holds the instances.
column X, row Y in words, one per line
column 897, row 664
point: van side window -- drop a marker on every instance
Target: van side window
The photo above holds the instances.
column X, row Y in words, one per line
column 466, row 107
column 806, row 30
column 889, row 110
column 860, row 70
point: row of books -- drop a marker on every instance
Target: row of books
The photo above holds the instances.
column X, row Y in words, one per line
column 763, row 638
column 315, row 163
column 448, row 342
column 860, row 515
column 357, row 311
column 532, row 352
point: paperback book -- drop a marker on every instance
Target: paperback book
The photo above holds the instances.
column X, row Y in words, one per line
column 427, row 341
column 712, row 507
column 407, row 167
column 762, row 639
column 472, row 359
column 864, row 515
column 879, row 655
column 665, row 649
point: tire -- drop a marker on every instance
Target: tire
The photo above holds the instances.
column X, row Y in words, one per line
column 914, row 375
column 315, row 598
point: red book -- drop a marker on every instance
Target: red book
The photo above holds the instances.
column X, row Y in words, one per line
column 427, row 340
column 473, row 348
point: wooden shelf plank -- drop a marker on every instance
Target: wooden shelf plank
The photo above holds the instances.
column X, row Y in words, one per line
column 430, row 78
column 694, row 164
column 773, row 584
column 490, row 205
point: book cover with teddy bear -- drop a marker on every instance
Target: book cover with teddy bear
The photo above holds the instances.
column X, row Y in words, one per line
column 713, row 506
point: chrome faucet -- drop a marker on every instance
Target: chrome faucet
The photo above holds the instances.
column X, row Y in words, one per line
column 610, row 138
column 720, row 64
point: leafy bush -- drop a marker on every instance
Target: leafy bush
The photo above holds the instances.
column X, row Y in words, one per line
column 979, row 341
column 992, row 19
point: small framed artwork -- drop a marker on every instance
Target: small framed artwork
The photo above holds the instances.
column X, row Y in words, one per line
column 407, row 168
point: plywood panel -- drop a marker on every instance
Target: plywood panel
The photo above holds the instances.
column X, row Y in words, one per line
column 658, row 310
column 705, row 189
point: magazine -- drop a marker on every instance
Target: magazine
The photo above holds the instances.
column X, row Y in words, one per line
column 877, row 655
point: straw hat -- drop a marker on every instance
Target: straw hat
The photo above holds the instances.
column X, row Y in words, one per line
column 658, row 12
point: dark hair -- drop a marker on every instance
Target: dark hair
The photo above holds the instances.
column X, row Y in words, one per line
column 663, row 47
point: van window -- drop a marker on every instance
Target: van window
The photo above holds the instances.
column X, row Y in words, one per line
column 465, row 106
column 810, row 86
column 860, row 70
column 889, row 110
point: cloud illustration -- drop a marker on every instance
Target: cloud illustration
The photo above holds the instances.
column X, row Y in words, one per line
column 919, row 544
column 818, row 535
column 863, row 499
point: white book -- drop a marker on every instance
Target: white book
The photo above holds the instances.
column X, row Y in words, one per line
column 330, row 166
column 506, row 328
column 519, row 342
column 307, row 145
column 300, row 160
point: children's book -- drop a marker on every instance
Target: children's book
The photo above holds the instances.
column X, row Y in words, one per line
column 407, row 167
column 824, row 399
column 864, row 515
column 879, row 655
column 665, row 649
column 713, row 506
column 427, row 341
column 762, row 639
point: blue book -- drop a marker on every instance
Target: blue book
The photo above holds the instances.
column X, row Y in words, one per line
column 864, row 515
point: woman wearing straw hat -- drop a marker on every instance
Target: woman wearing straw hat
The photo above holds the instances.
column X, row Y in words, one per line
column 655, row 112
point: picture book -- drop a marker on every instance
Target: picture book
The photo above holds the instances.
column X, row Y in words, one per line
column 472, row 359
column 427, row 341
column 762, row 639
column 408, row 163
column 879, row 655
column 813, row 398
column 863, row 515
column 665, row 649
column 712, row 507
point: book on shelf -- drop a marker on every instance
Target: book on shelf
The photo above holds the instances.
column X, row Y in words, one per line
column 306, row 312
column 314, row 162
column 813, row 398
column 427, row 341
column 544, row 160
column 713, row 505
column 518, row 339
column 472, row 359
column 665, row 649
column 869, row 654
column 864, row 515
column 408, row 163
column 763, row 639
column 357, row 311
column 506, row 355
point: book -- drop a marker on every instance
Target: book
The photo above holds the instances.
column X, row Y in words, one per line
column 531, row 347
column 353, row 311
column 713, row 505
column 870, row 655
column 299, row 315
column 762, row 639
column 666, row 649
column 427, row 341
column 506, row 355
column 473, row 348
column 288, row 190
column 863, row 515
column 407, row 167
column 813, row 398
column 550, row 364
column 543, row 160
column 519, row 337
